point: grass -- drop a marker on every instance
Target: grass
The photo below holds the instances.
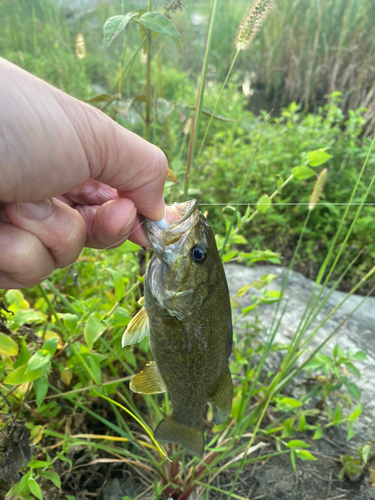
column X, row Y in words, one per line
column 62, row 367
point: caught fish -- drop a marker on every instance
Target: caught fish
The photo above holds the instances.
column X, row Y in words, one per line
column 187, row 315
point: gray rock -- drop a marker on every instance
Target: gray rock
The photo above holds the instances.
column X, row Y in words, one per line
column 356, row 333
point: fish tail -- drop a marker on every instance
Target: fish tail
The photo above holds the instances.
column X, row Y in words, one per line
column 189, row 437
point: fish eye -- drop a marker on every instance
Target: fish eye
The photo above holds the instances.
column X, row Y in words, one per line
column 199, row 253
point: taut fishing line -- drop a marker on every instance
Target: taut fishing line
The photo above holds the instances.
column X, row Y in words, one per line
column 322, row 203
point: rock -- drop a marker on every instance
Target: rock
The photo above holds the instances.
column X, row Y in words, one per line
column 356, row 333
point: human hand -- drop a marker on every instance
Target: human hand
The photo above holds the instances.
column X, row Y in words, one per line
column 69, row 177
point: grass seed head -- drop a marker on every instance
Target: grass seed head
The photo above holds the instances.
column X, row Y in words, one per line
column 318, row 189
column 251, row 23
column 80, row 46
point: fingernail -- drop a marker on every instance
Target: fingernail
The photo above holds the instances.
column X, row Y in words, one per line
column 37, row 210
column 126, row 230
column 161, row 208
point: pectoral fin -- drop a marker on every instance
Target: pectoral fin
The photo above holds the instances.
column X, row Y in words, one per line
column 149, row 381
column 221, row 398
column 137, row 329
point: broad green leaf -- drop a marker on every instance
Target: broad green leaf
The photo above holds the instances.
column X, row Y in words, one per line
column 352, row 368
column 38, row 360
column 302, row 173
column 291, row 402
column 19, row 375
column 35, row 488
column 113, row 27
column 365, row 453
column 70, row 321
column 297, row 443
column 304, row 455
column 50, row 345
column 337, row 417
column 119, row 284
column 238, row 239
column 94, row 329
column 15, row 297
column 38, row 464
column 270, row 296
column 41, row 389
column 318, row 157
column 52, row 476
column 356, row 413
column 229, row 255
column 318, row 433
column 360, row 356
column 249, row 308
column 7, row 345
column 264, row 203
column 353, row 390
column 29, row 316
column 155, row 21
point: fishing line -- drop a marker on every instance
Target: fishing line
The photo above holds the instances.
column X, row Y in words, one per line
column 212, row 205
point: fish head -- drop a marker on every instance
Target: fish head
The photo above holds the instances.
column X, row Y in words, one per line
column 185, row 266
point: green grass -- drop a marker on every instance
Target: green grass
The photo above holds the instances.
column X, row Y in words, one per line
column 62, row 345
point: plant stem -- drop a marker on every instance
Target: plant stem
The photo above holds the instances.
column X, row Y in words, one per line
column 199, row 103
column 148, row 80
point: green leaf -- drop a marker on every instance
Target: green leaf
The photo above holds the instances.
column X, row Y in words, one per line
column 318, row 433
column 249, row 308
column 38, row 464
column 270, row 296
column 94, row 329
column 41, row 389
column 155, row 21
column 244, row 289
column 35, row 488
column 353, row 390
column 337, row 417
column 365, row 453
column 238, row 239
column 7, row 345
column 356, row 413
column 297, row 443
column 113, row 27
column 19, row 375
column 63, row 458
column 304, row 455
column 290, row 402
column 318, row 157
column 119, row 284
column 229, row 255
column 52, row 476
column 350, row 431
column 50, row 345
column 95, row 368
column 302, row 173
column 263, row 203
column 38, row 360
column 352, row 368
column 360, row 356
column 28, row 316
column 70, row 321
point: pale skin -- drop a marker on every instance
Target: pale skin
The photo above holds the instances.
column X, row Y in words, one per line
column 69, row 177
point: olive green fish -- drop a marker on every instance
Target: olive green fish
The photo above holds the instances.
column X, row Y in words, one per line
column 187, row 315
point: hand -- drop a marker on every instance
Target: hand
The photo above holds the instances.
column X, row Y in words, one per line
column 69, row 177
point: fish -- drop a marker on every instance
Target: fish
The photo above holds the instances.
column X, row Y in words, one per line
column 187, row 315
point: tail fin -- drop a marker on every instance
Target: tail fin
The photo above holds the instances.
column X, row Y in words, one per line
column 190, row 438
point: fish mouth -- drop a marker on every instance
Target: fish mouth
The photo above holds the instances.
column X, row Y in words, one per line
column 179, row 219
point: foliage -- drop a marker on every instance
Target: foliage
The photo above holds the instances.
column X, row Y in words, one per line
column 63, row 373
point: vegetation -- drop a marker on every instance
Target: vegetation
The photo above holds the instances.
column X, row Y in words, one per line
column 63, row 373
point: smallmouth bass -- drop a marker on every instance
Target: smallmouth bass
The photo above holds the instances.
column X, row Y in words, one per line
column 187, row 315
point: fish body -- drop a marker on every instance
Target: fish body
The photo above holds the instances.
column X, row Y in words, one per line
column 189, row 322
